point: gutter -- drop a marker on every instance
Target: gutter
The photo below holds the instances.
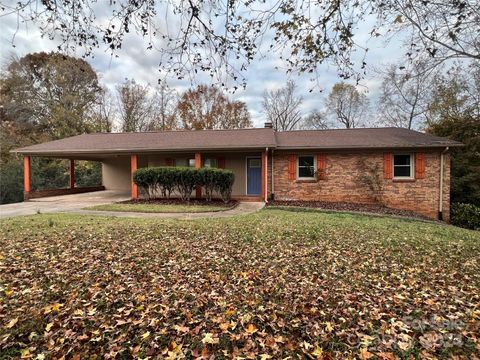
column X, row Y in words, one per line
column 440, row 189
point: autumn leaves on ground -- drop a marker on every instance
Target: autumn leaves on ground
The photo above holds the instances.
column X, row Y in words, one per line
column 269, row 285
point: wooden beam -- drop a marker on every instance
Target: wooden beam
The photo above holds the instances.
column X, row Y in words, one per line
column 26, row 174
column 72, row 174
column 198, row 165
column 133, row 168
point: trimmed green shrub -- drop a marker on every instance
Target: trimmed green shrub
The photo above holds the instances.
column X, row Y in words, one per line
column 186, row 180
column 223, row 184
column 163, row 180
column 143, row 178
column 208, row 180
column 166, row 180
column 465, row 215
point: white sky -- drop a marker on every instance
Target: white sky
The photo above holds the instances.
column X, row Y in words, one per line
column 134, row 61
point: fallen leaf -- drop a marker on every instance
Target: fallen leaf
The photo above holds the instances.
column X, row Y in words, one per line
column 318, row 352
column 209, row 339
column 251, row 329
column 11, row 323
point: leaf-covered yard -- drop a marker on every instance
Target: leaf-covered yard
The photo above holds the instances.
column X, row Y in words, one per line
column 268, row 285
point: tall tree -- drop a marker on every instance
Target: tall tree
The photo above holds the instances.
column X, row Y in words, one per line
column 405, row 95
column 316, row 120
column 206, row 107
column 136, row 107
column 347, row 105
column 222, row 38
column 454, row 112
column 282, row 107
column 50, row 93
column 102, row 115
column 165, row 108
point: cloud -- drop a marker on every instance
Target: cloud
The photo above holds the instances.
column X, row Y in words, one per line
column 265, row 73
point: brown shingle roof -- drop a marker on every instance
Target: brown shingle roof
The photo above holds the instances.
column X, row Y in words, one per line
column 157, row 141
column 111, row 143
column 368, row 138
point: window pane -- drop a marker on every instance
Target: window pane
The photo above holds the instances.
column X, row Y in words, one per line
column 210, row 163
column 401, row 160
column 306, row 168
column 255, row 163
column 191, row 162
column 401, row 171
column 181, row 162
column 306, row 171
column 305, row 161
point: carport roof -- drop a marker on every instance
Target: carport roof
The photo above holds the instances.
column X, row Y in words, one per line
column 185, row 140
column 257, row 138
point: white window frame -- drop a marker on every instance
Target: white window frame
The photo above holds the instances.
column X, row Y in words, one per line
column 412, row 167
column 314, row 167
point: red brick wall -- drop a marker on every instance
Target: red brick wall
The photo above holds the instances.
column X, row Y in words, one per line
column 342, row 183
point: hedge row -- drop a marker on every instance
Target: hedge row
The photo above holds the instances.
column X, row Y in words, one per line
column 162, row 181
column 465, row 215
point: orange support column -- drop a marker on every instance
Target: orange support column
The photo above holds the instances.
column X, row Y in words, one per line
column 198, row 165
column 72, row 174
column 133, row 168
column 26, row 176
column 264, row 175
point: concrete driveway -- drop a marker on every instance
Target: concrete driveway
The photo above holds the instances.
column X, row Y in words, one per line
column 64, row 203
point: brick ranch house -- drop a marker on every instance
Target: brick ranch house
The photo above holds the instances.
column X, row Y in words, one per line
column 400, row 168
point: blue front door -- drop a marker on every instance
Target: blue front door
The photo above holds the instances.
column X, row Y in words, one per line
column 254, row 176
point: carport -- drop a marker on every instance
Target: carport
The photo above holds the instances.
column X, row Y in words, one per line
column 246, row 152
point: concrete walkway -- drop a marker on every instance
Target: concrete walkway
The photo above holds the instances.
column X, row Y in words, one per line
column 241, row 209
column 63, row 203
column 76, row 203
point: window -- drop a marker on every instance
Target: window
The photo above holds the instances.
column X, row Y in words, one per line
column 210, row 163
column 403, row 166
column 255, row 163
column 185, row 162
column 306, row 167
column 181, row 162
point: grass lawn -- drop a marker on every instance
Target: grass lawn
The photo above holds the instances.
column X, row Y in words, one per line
column 160, row 208
column 267, row 285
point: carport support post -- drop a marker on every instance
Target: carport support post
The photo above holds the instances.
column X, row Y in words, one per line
column 26, row 177
column 198, row 165
column 72, row 174
column 133, row 168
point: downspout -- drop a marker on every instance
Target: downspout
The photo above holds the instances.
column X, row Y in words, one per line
column 273, row 182
column 440, row 190
column 266, row 174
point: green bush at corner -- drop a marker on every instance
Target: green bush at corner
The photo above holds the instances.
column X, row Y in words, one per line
column 466, row 216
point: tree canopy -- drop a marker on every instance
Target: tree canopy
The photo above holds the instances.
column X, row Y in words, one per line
column 454, row 112
column 50, row 93
column 347, row 105
column 221, row 38
column 206, row 107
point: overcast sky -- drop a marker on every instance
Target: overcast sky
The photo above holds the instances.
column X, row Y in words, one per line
column 142, row 65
